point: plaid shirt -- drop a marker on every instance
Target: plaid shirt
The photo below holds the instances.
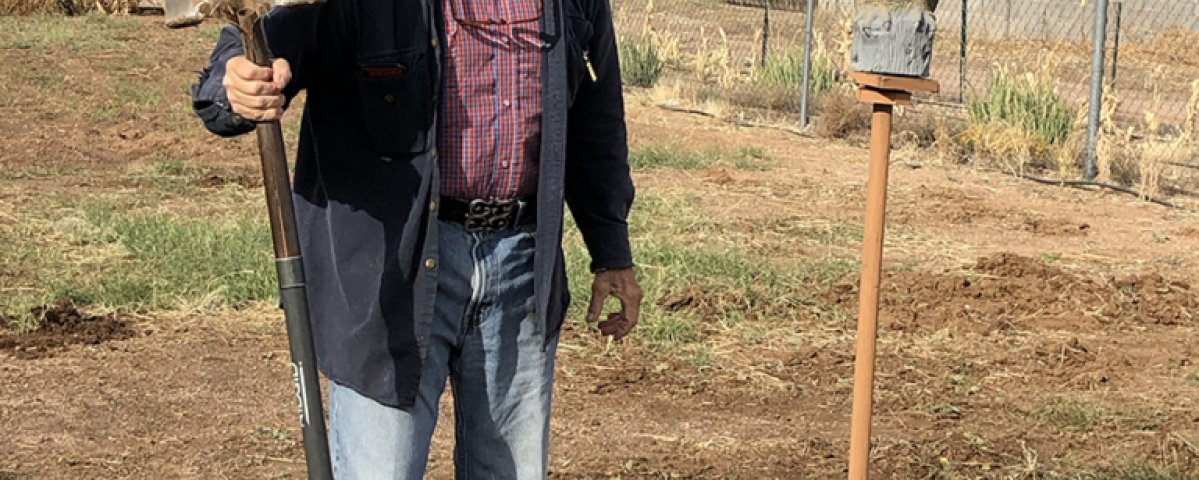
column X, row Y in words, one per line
column 490, row 138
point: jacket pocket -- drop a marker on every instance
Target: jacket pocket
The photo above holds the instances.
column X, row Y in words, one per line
column 395, row 94
column 578, row 62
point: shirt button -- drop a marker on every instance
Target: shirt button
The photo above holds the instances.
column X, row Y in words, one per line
column 507, row 103
column 430, row 263
column 504, row 164
column 432, row 206
column 389, row 98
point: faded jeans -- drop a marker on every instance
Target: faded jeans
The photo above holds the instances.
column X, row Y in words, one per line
column 485, row 340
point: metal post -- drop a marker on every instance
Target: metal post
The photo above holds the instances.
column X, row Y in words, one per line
column 1008, row 31
column 807, row 65
column 1090, row 171
column 1116, row 48
column 765, row 32
column 962, row 56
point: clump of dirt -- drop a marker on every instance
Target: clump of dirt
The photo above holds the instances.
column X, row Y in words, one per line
column 696, row 298
column 1055, row 227
column 1008, row 291
column 220, row 178
column 1156, row 299
column 61, row 325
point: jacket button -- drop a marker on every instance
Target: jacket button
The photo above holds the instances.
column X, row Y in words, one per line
column 389, row 98
column 430, row 263
column 432, row 206
column 434, row 42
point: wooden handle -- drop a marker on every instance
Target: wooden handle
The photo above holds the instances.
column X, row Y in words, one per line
column 274, row 158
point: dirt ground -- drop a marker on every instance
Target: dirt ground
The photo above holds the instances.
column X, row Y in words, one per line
column 1028, row 331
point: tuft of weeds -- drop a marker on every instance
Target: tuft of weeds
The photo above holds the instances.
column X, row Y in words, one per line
column 1069, row 415
column 786, row 70
column 1028, row 102
column 1021, row 121
column 1143, row 161
column 776, row 82
column 640, row 63
column 840, row 115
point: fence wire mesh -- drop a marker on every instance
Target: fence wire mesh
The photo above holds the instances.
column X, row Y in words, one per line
column 748, row 53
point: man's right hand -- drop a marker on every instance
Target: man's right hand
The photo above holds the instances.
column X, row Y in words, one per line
column 256, row 93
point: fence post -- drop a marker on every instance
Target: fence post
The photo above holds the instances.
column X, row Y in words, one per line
column 765, row 31
column 1008, row 14
column 807, row 64
column 1116, row 50
column 1099, row 34
column 962, row 56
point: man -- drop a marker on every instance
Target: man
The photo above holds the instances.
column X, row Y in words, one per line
column 439, row 141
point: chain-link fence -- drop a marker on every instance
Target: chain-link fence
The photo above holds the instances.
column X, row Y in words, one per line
column 748, row 53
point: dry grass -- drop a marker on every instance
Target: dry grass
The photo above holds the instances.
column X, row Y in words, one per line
column 841, row 115
column 1145, row 160
column 1175, row 45
column 793, row 5
column 66, row 7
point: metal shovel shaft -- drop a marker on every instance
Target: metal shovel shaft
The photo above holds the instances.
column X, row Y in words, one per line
column 289, row 264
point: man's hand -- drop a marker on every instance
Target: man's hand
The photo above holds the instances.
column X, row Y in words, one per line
column 623, row 285
column 256, row 93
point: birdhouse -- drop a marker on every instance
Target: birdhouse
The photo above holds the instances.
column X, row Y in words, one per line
column 894, row 37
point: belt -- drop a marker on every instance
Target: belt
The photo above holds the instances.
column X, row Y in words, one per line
column 489, row 215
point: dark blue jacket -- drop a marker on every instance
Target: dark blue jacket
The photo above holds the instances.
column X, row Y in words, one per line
column 366, row 180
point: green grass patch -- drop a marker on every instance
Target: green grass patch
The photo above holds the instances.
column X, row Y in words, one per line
column 747, row 157
column 1085, row 417
column 640, row 63
column 170, row 261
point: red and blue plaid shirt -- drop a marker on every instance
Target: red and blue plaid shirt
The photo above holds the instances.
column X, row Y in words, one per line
column 490, row 137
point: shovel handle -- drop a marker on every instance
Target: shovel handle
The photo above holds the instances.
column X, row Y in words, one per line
column 290, row 267
column 274, row 157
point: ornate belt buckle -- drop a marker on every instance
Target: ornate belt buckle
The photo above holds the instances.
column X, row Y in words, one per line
column 491, row 215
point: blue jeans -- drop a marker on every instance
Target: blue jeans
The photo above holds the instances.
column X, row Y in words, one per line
column 485, row 340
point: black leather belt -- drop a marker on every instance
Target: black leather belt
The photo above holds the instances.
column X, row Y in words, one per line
column 489, row 215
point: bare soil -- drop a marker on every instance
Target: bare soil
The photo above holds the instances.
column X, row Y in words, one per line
column 1005, row 291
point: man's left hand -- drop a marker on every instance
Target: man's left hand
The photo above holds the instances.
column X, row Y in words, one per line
column 622, row 284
